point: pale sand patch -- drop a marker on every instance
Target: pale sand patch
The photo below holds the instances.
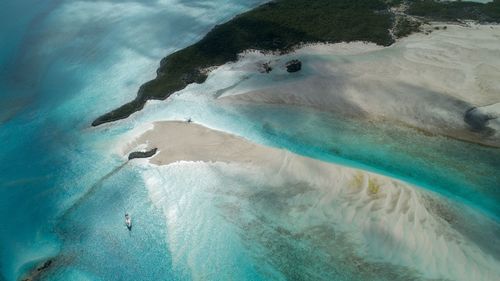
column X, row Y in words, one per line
column 182, row 141
column 394, row 221
column 425, row 81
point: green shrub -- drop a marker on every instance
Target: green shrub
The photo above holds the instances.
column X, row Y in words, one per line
column 404, row 27
column 456, row 10
column 282, row 25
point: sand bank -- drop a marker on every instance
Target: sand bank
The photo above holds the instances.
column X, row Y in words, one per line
column 424, row 81
column 390, row 221
column 182, row 141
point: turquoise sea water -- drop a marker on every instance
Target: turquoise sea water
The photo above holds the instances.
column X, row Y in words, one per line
column 63, row 191
column 62, row 63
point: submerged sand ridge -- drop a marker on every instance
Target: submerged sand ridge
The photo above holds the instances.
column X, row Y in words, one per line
column 390, row 221
column 425, row 81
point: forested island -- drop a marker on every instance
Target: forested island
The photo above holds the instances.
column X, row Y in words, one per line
column 282, row 25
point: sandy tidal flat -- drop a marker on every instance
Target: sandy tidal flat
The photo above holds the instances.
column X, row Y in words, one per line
column 425, row 81
column 387, row 221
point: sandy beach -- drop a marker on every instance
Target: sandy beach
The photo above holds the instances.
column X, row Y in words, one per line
column 182, row 141
column 428, row 82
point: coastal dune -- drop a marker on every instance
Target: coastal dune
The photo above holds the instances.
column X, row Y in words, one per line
column 389, row 222
column 425, row 81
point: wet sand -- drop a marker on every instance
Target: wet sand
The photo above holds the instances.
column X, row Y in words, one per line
column 398, row 223
column 428, row 82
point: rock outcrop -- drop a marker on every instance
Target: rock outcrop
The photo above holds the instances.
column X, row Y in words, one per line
column 142, row 154
column 265, row 68
column 293, row 66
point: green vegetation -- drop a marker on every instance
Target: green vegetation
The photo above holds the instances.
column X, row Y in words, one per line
column 281, row 25
column 456, row 10
column 393, row 3
column 404, row 27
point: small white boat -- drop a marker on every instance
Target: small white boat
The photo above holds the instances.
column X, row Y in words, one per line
column 128, row 221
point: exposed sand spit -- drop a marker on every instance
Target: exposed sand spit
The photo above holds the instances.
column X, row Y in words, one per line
column 182, row 141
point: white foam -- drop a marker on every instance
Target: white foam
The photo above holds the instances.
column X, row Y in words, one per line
column 201, row 243
column 90, row 57
column 207, row 206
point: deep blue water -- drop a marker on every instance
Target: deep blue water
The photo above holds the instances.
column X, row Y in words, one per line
column 62, row 190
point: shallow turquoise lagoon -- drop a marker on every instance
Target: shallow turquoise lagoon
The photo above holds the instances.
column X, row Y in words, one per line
column 63, row 189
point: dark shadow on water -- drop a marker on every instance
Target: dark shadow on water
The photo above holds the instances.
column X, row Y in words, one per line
column 92, row 190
